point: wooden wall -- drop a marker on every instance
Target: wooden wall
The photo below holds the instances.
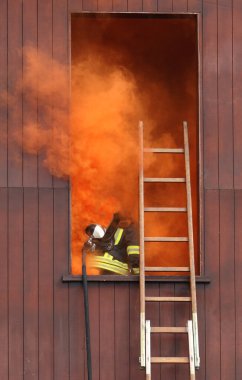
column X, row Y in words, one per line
column 41, row 318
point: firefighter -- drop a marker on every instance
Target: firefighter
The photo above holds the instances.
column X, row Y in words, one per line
column 115, row 249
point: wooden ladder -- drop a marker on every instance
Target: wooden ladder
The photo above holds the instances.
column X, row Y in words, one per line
column 191, row 329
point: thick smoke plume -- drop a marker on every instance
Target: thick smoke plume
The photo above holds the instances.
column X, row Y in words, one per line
column 87, row 126
column 92, row 140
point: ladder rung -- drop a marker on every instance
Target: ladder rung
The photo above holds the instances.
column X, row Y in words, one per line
column 163, row 150
column 154, row 239
column 169, row 330
column 165, row 209
column 146, row 179
column 168, row 299
column 167, row 269
column 178, row 360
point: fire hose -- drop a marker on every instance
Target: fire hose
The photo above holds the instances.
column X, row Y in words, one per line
column 87, row 319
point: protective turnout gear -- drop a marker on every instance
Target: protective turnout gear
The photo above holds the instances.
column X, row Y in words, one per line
column 117, row 253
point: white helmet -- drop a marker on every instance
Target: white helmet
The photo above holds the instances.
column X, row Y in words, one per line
column 95, row 230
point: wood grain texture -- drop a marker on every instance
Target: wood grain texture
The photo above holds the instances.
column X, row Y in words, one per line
column 30, row 161
column 210, row 95
column 107, row 337
column 120, row 5
column 201, row 305
column 4, row 283
column 45, row 46
column 212, row 295
column 61, row 291
column 227, row 285
column 3, row 91
column 95, row 327
column 77, row 334
column 75, row 6
column 90, row 5
column 150, row 6
column 195, row 6
column 225, row 111
column 135, row 5
column 105, row 5
column 164, row 5
column 31, row 283
column 237, row 92
column 121, row 331
column 134, row 340
column 238, row 281
column 179, row 6
column 15, row 284
column 61, row 55
column 46, row 284
column 15, row 160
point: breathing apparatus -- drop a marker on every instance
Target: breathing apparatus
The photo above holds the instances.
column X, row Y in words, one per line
column 101, row 238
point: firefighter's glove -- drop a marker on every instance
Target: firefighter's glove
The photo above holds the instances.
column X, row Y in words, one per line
column 135, row 271
column 89, row 245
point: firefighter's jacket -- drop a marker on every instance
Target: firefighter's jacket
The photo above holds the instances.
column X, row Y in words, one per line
column 123, row 257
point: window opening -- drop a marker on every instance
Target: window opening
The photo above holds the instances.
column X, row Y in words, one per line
column 127, row 68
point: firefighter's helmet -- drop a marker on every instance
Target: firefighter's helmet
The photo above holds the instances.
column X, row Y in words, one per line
column 95, row 230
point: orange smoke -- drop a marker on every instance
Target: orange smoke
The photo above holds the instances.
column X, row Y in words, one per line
column 94, row 144
column 93, row 139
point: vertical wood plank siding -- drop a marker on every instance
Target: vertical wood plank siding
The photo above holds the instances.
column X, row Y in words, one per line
column 42, row 319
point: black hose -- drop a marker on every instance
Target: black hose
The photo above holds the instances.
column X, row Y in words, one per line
column 87, row 320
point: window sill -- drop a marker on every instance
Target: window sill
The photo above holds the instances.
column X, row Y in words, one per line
column 132, row 278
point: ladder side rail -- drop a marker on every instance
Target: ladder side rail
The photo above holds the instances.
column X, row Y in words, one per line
column 191, row 246
column 141, row 237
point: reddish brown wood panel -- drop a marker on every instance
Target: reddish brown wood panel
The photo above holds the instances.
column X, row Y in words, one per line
column 134, row 5
column 150, row 6
column 46, row 284
column 4, row 283
column 107, row 337
column 94, row 306
column 179, row 6
column 164, row 5
column 201, row 373
column 195, row 6
column 31, row 271
column 90, row 5
column 75, row 6
column 45, row 46
column 238, row 282
column 30, row 162
column 212, row 308
column 134, row 340
column 121, row 331
column 120, row 6
column 77, row 334
column 61, row 291
column 61, row 55
column 210, row 96
column 237, row 92
column 105, row 6
column 225, row 111
column 3, row 90
column 15, row 284
column 227, row 290
column 15, row 100
column 42, row 320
